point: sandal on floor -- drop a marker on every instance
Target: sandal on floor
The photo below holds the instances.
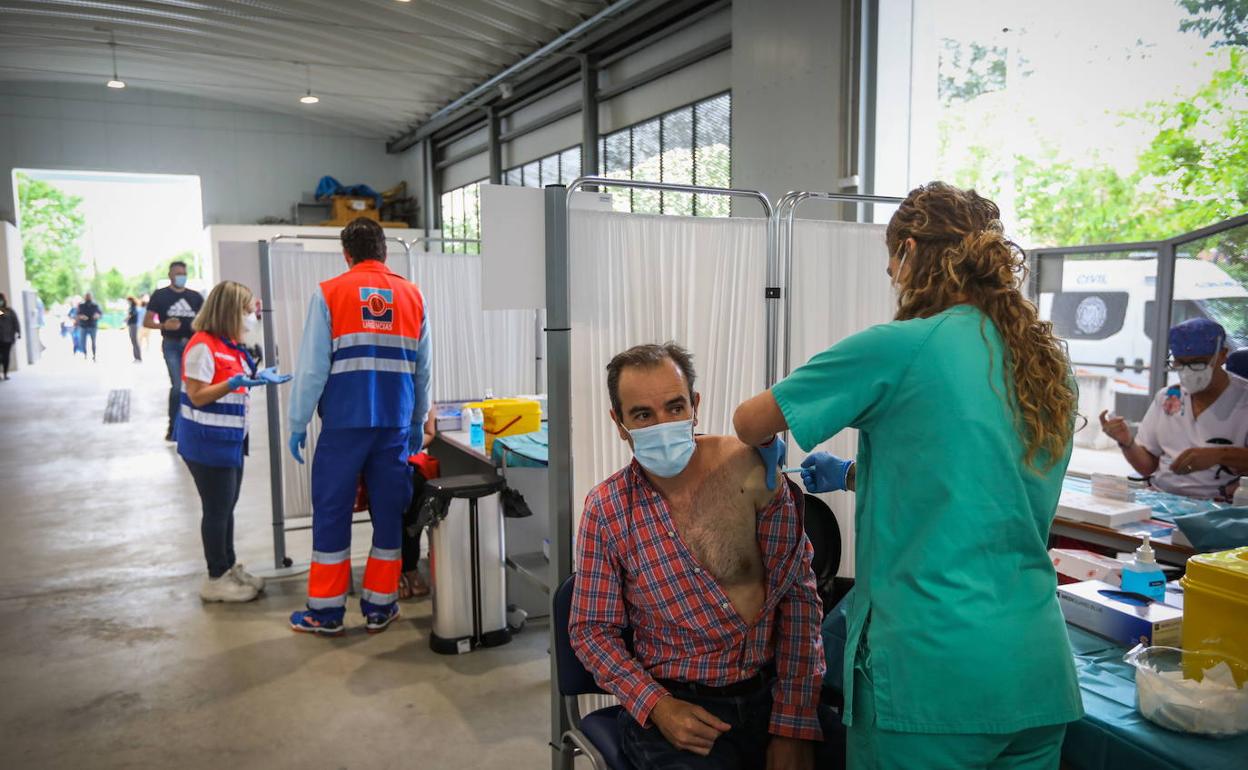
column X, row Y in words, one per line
column 412, row 586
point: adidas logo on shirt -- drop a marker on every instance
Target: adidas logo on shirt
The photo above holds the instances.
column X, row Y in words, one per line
column 181, row 309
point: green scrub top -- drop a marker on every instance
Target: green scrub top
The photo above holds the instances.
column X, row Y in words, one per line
column 954, row 586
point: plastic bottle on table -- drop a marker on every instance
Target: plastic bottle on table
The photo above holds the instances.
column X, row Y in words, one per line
column 1142, row 575
column 476, row 431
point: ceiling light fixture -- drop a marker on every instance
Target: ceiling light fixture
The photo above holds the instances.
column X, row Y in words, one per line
column 116, row 82
column 309, row 97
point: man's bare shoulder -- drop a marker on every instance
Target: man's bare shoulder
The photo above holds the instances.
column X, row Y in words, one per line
column 731, row 461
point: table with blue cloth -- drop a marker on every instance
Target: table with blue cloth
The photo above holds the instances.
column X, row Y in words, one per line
column 1112, row 734
column 1210, row 526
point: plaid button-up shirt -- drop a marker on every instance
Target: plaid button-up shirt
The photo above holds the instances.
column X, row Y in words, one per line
column 635, row 571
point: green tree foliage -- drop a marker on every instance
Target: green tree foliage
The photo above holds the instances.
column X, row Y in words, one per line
column 51, row 225
column 1193, row 173
column 1228, row 18
column 969, row 70
column 109, row 285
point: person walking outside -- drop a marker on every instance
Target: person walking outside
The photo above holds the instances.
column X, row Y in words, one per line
column 88, row 322
column 10, row 332
column 133, row 319
column 171, row 309
column 217, row 373
column 364, row 366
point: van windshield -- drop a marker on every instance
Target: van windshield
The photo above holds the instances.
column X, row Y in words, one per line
column 1231, row 312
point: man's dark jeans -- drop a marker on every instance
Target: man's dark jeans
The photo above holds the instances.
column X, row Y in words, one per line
column 744, row 747
column 172, row 348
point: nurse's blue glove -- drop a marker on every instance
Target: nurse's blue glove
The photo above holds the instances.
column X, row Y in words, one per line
column 270, row 376
column 773, row 453
column 243, row 381
column 297, row 441
column 825, row 472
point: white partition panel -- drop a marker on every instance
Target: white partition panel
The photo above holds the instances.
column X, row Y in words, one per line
column 637, row 279
column 473, row 349
column 840, row 287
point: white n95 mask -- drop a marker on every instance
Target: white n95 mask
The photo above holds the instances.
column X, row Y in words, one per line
column 249, row 323
column 1195, row 382
column 664, row 449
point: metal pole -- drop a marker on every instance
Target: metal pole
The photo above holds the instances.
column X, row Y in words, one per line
column 867, row 79
column 589, row 117
column 558, row 404
column 277, row 494
column 430, row 186
column 1161, row 325
column 493, row 146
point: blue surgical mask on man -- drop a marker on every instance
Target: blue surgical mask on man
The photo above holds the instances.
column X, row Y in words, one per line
column 664, row 449
column 179, row 281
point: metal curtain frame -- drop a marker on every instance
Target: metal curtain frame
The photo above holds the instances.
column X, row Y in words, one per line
column 558, row 204
column 782, row 249
column 280, row 559
column 1167, row 254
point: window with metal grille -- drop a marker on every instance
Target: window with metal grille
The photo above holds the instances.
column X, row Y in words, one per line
column 557, row 168
column 461, row 218
column 690, row 145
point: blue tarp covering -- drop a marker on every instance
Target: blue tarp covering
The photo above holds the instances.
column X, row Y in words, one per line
column 329, row 186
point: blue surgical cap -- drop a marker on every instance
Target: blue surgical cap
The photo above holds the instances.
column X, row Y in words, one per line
column 1237, row 363
column 1196, row 337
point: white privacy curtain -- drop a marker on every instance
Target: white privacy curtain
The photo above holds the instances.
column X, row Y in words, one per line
column 298, row 268
column 639, row 279
column 839, row 288
column 473, row 349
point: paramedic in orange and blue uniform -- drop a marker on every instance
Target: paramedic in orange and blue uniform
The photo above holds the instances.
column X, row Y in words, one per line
column 364, row 367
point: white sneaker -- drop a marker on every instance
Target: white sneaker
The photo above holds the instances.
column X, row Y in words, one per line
column 246, row 578
column 226, row 589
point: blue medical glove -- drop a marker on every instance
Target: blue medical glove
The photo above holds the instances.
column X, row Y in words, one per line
column 243, row 381
column 271, row 377
column 415, row 442
column 825, row 472
column 773, row 454
column 298, row 439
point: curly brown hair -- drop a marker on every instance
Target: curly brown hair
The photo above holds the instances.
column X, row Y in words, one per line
column 962, row 257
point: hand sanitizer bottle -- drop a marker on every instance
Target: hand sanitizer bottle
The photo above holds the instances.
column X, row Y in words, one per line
column 476, row 433
column 1143, row 576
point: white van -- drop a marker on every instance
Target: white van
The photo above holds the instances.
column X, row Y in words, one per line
column 1106, row 310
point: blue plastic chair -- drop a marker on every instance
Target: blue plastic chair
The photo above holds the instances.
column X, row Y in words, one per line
column 595, row 734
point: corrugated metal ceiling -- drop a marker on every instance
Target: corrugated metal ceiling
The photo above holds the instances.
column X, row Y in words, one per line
column 377, row 65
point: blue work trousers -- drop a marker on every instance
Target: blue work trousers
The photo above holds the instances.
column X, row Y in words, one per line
column 342, row 455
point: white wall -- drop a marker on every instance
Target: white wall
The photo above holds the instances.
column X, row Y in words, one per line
column 787, row 96
column 251, row 164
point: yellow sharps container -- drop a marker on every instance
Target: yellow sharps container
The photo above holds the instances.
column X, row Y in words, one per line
column 1215, row 604
column 507, row 417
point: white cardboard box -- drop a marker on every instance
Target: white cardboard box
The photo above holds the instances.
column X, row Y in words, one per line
column 1080, row 506
column 1086, row 565
column 1092, row 605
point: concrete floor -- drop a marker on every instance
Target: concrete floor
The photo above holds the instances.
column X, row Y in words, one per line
column 108, row 658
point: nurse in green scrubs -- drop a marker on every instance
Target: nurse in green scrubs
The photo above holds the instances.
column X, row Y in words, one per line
column 957, row 654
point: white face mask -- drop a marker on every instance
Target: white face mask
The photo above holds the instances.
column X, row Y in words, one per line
column 249, row 323
column 1195, row 382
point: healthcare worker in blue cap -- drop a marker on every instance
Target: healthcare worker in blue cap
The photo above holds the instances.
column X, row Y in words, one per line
column 1193, row 440
column 956, row 653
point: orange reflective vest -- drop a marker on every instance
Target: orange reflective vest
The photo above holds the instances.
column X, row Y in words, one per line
column 213, row 434
column 376, row 318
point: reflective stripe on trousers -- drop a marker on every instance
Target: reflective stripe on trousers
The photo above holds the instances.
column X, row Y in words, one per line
column 329, row 579
column 381, row 576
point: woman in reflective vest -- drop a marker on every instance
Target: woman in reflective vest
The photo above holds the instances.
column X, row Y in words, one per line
column 211, row 429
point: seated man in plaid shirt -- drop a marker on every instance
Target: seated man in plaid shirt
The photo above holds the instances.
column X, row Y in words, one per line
column 711, row 571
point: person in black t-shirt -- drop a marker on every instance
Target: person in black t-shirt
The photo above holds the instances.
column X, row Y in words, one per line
column 171, row 309
column 88, row 319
